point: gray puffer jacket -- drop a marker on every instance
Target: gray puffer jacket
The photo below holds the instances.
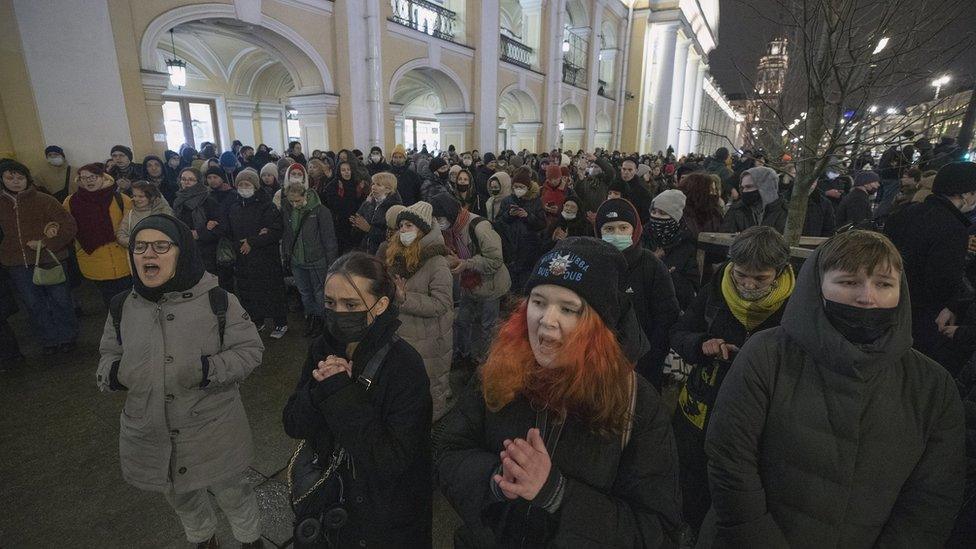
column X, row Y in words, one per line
column 488, row 262
column 427, row 316
column 818, row 442
column 175, row 434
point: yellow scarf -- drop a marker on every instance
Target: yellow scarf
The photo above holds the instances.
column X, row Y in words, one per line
column 753, row 313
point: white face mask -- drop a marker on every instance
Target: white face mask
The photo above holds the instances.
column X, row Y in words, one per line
column 407, row 238
column 375, row 158
column 569, row 216
column 443, row 223
column 296, row 179
column 832, row 175
column 520, row 192
column 55, row 161
column 245, row 192
column 466, row 162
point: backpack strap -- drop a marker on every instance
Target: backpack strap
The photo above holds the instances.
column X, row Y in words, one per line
column 475, row 246
column 369, row 372
column 218, row 304
column 115, row 309
column 625, row 437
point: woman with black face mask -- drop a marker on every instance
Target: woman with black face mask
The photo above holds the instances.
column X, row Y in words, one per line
column 364, row 391
column 830, row 430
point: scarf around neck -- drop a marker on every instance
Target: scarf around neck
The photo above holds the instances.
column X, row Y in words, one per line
column 753, row 313
column 92, row 212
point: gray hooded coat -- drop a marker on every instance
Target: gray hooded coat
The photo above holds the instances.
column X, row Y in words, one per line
column 771, row 212
column 173, row 433
column 818, row 442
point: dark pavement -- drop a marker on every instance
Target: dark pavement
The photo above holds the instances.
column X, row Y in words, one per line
column 59, row 466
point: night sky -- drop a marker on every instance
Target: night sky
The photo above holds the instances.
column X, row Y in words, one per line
column 743, row 36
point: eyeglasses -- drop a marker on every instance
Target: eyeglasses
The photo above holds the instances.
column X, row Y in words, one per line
column 188, row 180
column 88, row 178
column 159, row 246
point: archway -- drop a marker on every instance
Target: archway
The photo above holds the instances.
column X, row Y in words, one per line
column 571, row 128
column 430, row 108
column 518, row 120
column 254, row 82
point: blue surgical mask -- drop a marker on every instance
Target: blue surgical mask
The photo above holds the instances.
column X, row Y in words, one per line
column 619, row 241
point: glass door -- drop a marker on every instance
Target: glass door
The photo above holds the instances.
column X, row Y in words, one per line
column 190, row 121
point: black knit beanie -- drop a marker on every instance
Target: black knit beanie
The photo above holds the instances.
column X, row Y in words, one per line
column 124, row 150
column 955, row 178
column 589, row 267
column 445, row 206
column 189, row 266
column 616, row 209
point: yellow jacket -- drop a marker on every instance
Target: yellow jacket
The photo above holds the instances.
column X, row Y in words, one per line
column 110, row 261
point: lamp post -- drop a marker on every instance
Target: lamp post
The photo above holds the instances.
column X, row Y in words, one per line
column 175, row 67
column 938, row 83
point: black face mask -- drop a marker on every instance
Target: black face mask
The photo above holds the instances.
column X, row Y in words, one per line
column 348, row 327
column 463, row 188
column 857, row 324
column 751, row 198
column 665, row 231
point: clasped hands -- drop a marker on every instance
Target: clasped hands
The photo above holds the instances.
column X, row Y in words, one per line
column 525, row 467
column 331, row 366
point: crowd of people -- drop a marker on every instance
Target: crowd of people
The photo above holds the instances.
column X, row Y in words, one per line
column 571, row 290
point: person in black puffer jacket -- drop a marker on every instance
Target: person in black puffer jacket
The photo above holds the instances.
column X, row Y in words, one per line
column 747, row 295
column 523, row 220
column 811, row 409
column 647, row 283
column 253, row 225
column 669, row 238
column 556, row 443
column 385, row 430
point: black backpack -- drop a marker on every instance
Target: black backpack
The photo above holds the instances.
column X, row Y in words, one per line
column 218, row 304
column 508, row 247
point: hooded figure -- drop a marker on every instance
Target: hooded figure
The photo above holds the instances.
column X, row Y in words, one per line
column 196, row 208
column 343, row 196
column 376, row 163
column 183, row 429
column 499, row 187
column 253, row 226
column 807, row 415
column 759, row 206
column 164, row 179
column 523, row 220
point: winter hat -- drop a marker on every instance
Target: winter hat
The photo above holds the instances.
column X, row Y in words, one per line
column 189, row 266
column 865, row 177
column 228, row 160
column 270, row 168
column 376, row 150
column 589, row 267
column 553, row 172
column 399, row 150
column 564, row 160
column 436, row 164
column 642, row 170
column 523, row 176
column 721, row 153
column 124, row 150
column 444, row 205
column 489, row 157
column 218, row 172
column 955, row 178
column 455, row 169
column 248, row 174
column 392, row 214
column 618, row 209
column 387, row 180
column 671, row 202
column 55, row 149
column 516, row 161
column 617, row 186
column 767, row 182
column 420, row 214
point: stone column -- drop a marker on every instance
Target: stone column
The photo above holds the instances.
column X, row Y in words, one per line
column 697, row 112
column 313, row 118
column 685, row 129
column 350, row 20
column 665, row 43
column 454, row 130
column 154, row 84
column 677, row 91
column 532, row 28
column 593, row 70
column 554, row 71
column 486, row 74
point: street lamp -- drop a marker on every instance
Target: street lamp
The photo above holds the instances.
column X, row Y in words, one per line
column 938, row 83
column 882, row 44
column 873, row 109
column 892, row 110
column 562, row 125
column 565, row 45
column 175, row 67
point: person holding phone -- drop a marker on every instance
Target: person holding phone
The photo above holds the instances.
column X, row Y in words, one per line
column 747, row 294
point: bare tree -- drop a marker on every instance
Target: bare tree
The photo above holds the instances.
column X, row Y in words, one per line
column 845, row 56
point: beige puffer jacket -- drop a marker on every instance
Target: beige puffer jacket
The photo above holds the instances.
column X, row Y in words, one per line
column 174, row 434
column 427, row 317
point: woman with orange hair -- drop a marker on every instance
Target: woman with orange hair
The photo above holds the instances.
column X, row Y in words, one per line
column 558, row 442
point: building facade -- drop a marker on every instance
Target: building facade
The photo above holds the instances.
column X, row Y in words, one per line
column 758, row 107
column 487, row 75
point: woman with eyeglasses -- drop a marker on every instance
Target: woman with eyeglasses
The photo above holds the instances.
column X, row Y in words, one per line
column 747, row 294
column 183, row 427
column 147, row 200
column 98, row 208
column 200, row 211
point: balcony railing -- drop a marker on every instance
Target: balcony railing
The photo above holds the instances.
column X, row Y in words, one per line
column 516, row 52
column 427, row 17
column 601, row 89
column 574, row 59
column 574, row 75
